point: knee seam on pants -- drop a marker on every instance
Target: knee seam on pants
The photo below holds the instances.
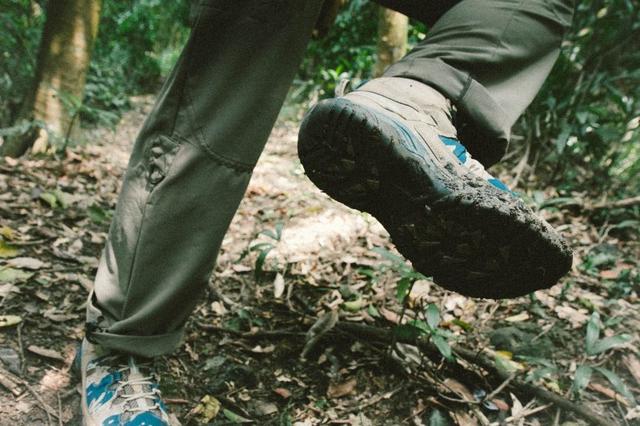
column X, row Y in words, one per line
column 220, row 159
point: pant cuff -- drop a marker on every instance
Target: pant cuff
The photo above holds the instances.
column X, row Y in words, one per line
column 144, row 346
column 479, row 115
column 100, row 332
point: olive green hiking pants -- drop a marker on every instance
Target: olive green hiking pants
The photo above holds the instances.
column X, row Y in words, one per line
column 194, row 156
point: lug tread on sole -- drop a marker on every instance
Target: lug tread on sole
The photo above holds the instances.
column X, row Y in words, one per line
column 475, row 239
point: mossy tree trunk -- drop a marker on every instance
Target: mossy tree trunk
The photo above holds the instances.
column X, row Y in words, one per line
column 392, row 39
column 63, row 60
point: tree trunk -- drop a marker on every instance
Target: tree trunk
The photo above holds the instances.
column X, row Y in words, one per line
column 328, row 14
column 392, row 39
column 62, row 64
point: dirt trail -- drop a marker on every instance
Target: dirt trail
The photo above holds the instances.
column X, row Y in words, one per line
column 325, row 258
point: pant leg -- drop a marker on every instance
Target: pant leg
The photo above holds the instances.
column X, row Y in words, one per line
column 427, row 11
column 190, row 166
column 490, row 57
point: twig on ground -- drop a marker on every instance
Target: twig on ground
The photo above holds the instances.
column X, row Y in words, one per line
column 526, row 413
column 21, row 348
column 500, row 388
column 59, row 409
column 46, row 407
column 10, row 382
column 626, row 202
column 266, row 334
column 373, row 401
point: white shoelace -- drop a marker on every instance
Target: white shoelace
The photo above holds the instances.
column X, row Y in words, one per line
column 134, row 383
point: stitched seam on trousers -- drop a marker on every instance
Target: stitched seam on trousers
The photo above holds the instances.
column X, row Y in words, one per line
column 504, row 31
column 465, row 88
column 220, row 159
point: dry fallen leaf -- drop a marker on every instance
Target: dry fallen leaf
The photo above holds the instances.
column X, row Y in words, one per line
column 27, row 263
column 522, row 316
column 577, row 317
column 263, row 350
column 459, row 389
column 633, row 365
column 608, row 392
column 278, row 286
column 338, row 390
column 9, row 320
column 284, row 393
column 47, row 353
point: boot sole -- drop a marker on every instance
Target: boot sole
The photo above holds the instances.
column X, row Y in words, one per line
column 469, row 236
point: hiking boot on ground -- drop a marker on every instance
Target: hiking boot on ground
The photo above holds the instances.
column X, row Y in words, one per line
column 389, row 148
column 118, row 391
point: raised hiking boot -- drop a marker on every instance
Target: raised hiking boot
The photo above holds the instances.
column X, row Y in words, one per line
column 117, row 390
column 389, row 148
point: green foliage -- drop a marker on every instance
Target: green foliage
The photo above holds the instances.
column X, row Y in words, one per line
column 584, row 124
column 594, row 345
column 263, row 249
column 21, row 22
column 137, row 44
column 428, row 319
column 347, row 51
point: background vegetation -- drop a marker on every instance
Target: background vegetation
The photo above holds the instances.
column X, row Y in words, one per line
column 581, row 133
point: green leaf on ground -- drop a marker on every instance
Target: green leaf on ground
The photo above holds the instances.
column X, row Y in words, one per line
column 581, row 379
column 11, row 275
column 443, row 346
column 50, row 199
column 607, row 343
column 98, row 215
column 433, row 315
column 354, row 305
column 593, row 332
column 402, row 288
column 407, row 332
column 235, row 418
column 617, row 383
column 7, row 250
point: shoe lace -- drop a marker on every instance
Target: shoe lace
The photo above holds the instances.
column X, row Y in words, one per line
column 134, row 387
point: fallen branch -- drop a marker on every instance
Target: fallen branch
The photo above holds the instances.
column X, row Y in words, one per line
column 482, row 360
column 386, row 336
column 10, row 382
column 626, row 202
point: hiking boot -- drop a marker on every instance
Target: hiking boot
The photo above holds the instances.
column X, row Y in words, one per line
column 117, row 390
column 389, row 148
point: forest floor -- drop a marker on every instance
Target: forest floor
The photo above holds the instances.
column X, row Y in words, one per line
column 241, row 360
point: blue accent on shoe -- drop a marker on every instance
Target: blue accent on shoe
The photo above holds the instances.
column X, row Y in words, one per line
column 101, row 392
column 459, row 150
column 495, row 182
column 112, row 421
column 145, row 418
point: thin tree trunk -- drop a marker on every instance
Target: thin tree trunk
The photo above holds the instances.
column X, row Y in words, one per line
column 62, row 64
column 392, row 39
column 328, row 14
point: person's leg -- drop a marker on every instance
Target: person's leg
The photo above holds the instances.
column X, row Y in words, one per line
column 391, row 146
column 190, row 167
column 490, row 58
